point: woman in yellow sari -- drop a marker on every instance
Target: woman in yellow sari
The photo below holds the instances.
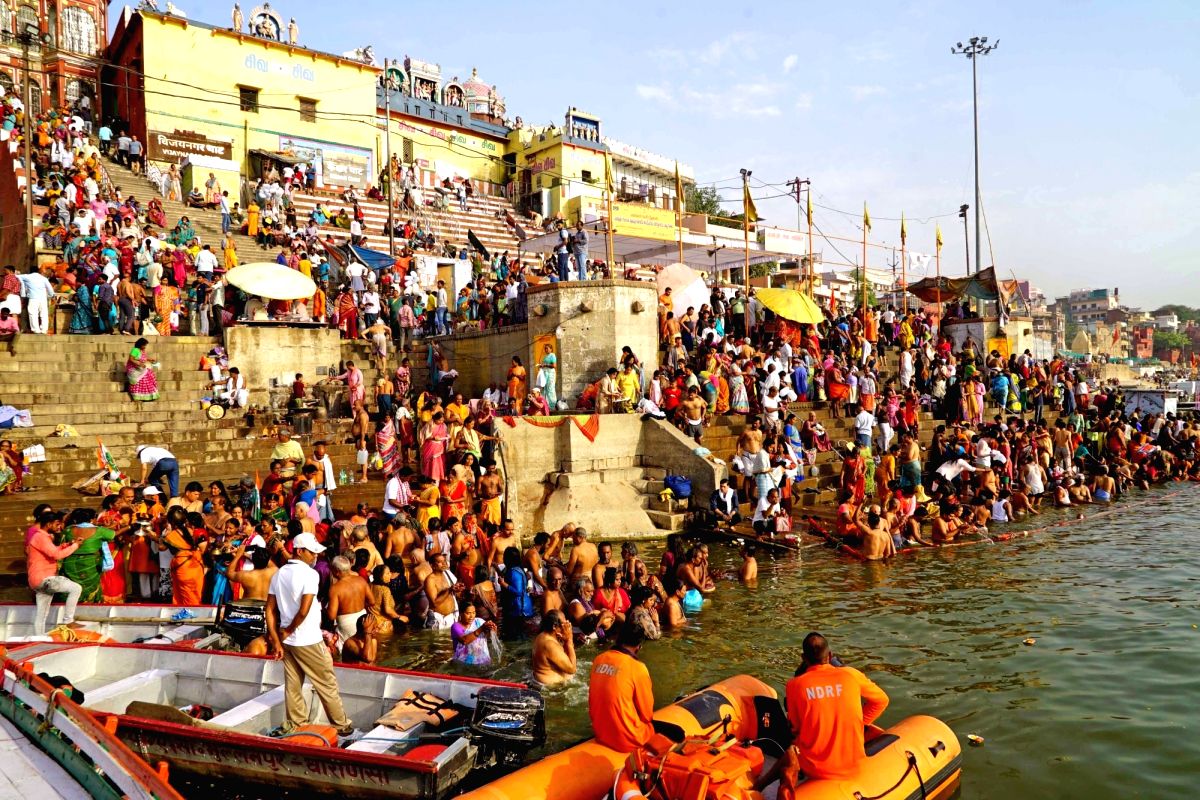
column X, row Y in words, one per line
column 906, row 333
column 231, row 255
column 252, row 217
column 166, row 302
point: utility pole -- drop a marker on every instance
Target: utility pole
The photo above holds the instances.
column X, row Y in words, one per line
column 797, row 183
column 976, row 46
column 387, row 146
column 30, row 37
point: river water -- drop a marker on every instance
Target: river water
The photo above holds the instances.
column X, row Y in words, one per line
column 1097, row 708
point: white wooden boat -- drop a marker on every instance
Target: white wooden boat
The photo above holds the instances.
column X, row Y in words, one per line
column 159, row 624
column 246, row 696
column 54, row 749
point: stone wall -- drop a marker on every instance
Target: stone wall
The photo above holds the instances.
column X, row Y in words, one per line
column 592, row 321
column 481, row 357
column 557, row 475
column 263, row 353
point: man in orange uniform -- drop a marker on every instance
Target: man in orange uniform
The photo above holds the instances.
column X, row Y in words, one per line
column 828, row 707
column 620, row 695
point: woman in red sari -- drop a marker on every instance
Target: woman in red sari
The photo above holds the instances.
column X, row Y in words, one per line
column 347, row 313
column 12, row 468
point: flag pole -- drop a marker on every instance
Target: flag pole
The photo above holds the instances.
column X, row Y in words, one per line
column 903, row 263
column 939, row 280
column 811, row 268
column 866, row 227
column 608, row 223
column 747, row 211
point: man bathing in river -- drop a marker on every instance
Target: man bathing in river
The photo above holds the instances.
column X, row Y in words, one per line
column 349, row 598
column 554, row 650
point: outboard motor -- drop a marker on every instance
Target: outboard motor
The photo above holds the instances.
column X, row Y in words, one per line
column 509, row 721
column 243, row 621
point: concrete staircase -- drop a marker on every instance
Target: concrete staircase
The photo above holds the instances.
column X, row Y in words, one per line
column 450, row 225
column 80, row 381
column 207, row 223
column 629, row 487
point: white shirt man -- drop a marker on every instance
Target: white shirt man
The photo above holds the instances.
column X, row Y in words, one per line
column 864, row 423
column 206, row 261
column 355, row 230
column 396, row 495
column 37, row 291
column 294, row 630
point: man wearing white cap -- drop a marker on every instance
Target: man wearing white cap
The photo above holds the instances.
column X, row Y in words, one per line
column 294, row 630
column 158, row 463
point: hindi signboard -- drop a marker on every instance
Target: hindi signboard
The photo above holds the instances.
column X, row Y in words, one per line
column 178, row 145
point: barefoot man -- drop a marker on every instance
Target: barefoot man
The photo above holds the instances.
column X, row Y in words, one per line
column 490, row 489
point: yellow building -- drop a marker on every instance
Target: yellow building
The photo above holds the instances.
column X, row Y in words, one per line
column 560, row 169
column 186, row 88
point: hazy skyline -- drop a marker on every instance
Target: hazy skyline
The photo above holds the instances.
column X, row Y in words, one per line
column 1088, row 111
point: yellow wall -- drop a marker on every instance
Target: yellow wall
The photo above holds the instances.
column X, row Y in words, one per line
column 553, row 160
column 474, row 156
column 217, row 62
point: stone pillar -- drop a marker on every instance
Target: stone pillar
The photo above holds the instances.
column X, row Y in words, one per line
column 588, row 323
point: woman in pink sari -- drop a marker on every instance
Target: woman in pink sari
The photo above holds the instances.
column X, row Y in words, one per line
column 433, row 448
column 385, row 445
column 179, row 264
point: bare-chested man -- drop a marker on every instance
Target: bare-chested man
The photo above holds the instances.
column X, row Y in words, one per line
column 399, row 537
column 360, row 431
column 604, row 554
column 877, row 541
column 693, row 411
column 552, row 599
column 254, row 582
column 442, row 591
column 466, row 551
column 349, row 598
column 532, row 558
column 583, row 557
column 554, row 650
column 554, row 547
column 505, row 538
column 489, row 491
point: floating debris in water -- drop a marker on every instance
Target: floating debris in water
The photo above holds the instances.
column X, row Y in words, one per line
column 1030, row 641
column 975, row 740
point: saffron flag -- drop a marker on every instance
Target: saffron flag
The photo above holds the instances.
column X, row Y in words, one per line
column 866, row 218
column 608, row 176
column 104, row 458
column 1116, row 332
column 810, row 207
column 903, row 230
column 833, row 303
column 750, row 213
column 256, row 510
column 939, row 236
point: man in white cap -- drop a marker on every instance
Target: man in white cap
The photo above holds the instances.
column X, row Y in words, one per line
column 158, row 463
column 294, row 631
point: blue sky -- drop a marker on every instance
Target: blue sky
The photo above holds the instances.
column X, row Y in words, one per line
column 1089, row 112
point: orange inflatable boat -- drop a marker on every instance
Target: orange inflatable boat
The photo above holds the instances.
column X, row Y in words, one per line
column 716, row 743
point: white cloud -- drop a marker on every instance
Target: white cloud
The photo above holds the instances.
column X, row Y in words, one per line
column 789, row 63
column 729, row 47
column 804, row 101
column 659, row 94
column 863, row 92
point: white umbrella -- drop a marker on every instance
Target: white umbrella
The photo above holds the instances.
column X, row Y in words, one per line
column 272, row 281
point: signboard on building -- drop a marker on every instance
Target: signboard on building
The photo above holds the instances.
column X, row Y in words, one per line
column 178, row 145
column 646, row 222
column 337, row 165
column 782, row 240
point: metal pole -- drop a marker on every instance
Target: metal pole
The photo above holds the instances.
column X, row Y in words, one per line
column 746, row 247
column 387, row 145
column 966, row 240
column 975, row 104
column 28, row 136
column 811, row 268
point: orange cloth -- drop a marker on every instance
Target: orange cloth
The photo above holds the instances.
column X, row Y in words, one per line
column 828, row 707
column 620, row 701
column 187, row 578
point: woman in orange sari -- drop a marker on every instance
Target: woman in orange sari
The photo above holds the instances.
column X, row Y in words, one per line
column 187, row 568
column 319, row 303
column 456, row 499
column 230, row 250
column 722, row 392
column 166, row 303
column 517, row 378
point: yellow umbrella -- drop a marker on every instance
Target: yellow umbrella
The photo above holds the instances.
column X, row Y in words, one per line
column 791, row 305
column 272, row 281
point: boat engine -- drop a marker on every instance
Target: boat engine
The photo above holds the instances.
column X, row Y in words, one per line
column 243, row 621
column 509, row 721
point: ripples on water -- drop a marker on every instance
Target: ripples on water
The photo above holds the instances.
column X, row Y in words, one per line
column 1097, row 708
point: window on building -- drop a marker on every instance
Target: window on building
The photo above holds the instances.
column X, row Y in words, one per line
column 26, row 15
column 78, row 31
column 308, row 110
column 6, row 20
column 77, row 89
column 248, row 98
column 407, row 149
column 586, row 175
column 7, row 83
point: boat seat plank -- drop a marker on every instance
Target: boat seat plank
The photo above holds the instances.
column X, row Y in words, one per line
column 382, row 738
column 252, row 714
column 151, row 686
